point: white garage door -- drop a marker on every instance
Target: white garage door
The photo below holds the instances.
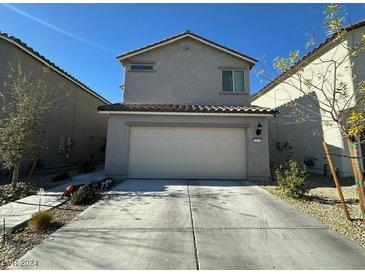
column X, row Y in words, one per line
column 187, row 153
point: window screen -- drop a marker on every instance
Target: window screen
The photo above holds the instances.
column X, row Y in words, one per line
column 238, row 81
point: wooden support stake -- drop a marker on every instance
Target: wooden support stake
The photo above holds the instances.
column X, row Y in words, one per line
column 4, row 231
column 337, row 182
column 353, row 154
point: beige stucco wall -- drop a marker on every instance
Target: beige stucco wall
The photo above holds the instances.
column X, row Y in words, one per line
column 116, row 162
column 76, row 116
column 306, row 137
column 186, row 72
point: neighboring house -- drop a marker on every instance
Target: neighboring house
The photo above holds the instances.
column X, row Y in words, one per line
column 74, row 130
column 302, row 141
column 187, row 114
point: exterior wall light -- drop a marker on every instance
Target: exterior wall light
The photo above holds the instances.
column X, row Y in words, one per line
column 259, row 129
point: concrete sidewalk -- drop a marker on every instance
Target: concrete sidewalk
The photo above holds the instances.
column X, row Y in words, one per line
column 20, row 211
column 97, row 175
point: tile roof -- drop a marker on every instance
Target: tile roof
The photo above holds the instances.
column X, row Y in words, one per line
column 186, row 108
column 186, row 34
column 52, row 65
column 286, row 74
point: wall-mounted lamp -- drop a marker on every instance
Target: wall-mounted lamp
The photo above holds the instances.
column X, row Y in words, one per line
column 259, row 129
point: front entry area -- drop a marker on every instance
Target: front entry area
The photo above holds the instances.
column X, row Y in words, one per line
column 182, row 152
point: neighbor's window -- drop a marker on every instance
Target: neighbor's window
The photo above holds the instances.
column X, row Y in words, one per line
column 141, row 67
column 233, row 80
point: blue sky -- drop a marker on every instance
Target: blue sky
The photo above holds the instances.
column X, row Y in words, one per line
column 84, row 39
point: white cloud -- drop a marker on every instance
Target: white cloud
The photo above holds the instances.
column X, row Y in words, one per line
column 59, row 30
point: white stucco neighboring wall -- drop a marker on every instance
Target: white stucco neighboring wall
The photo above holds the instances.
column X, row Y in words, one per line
column 306, row 137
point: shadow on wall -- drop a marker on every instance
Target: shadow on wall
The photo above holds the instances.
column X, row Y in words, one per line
column 296, row 133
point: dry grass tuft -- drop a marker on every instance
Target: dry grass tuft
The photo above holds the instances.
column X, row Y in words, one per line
column 41, row 220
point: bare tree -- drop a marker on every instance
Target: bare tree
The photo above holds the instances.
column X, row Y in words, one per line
column 325, row 83
column 25, row 99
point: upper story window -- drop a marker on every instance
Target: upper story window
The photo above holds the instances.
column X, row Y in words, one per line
column 233, row 80
column 141, row 67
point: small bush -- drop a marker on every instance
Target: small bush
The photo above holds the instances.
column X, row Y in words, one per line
column 41, row 220
column 85, row 196
column 292, row 179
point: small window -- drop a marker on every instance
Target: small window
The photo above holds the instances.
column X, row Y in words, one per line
column 141, row 67
column 233, row 80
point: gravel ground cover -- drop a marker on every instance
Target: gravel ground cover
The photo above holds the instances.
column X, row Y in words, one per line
column 323, row 204
column 22, row 240
column 9, row 194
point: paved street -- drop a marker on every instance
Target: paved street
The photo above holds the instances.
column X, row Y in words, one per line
column 172, row 224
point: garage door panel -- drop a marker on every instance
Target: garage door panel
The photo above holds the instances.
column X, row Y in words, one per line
column 187, row 153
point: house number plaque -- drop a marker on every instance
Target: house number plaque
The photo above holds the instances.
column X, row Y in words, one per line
column 257, row 140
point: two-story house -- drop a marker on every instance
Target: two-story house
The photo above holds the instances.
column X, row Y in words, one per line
column 187, row 114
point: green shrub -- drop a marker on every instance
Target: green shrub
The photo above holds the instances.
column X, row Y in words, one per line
column 292, row 179
column 41, row 220
column 85, row 196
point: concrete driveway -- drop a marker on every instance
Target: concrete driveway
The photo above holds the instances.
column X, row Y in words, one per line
column 170, row 224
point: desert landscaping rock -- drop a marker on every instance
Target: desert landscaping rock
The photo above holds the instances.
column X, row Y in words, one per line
column 324, row 205
column 10, row 194
column 22, row 240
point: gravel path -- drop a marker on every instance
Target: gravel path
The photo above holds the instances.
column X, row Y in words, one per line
column 22, row 240
column 324, row 205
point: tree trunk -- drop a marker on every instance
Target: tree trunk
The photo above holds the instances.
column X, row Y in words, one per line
column 31, row 171
column 359, row 179
column 14, row 179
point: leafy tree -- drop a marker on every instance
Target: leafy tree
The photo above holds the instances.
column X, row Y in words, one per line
column 25, row 99
column 323, row 82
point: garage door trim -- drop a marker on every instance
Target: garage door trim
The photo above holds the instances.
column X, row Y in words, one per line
column 159, row 124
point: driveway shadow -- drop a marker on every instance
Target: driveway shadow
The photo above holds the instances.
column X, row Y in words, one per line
column 160, row 185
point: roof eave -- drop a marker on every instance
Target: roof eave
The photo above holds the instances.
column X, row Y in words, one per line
column 323, row 46
column 147, row 48
column 21, row 45
column 184, row 113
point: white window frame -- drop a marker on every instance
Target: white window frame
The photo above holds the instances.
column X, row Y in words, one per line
column 233, row 87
